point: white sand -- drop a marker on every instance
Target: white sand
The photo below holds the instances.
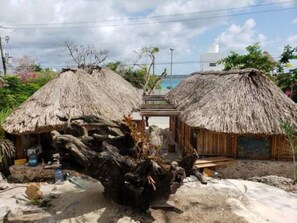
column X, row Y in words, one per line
column 219, row 200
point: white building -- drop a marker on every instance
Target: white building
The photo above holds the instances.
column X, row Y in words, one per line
column 209, row 60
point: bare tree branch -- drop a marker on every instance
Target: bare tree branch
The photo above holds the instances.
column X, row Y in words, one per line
column 85, row 55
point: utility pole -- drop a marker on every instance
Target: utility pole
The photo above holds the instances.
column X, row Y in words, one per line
column 171, row 68
column 2, row 57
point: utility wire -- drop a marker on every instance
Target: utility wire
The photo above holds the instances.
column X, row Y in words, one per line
column 153, row 17
column 150, row 22
column 160, row 63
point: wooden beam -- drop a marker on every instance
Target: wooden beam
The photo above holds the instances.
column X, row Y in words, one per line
column 154, row 98
column 159, row 113
column 157, row 106
column 145, row 97
column 213, row 161
column 214, row 164
column 152, row 109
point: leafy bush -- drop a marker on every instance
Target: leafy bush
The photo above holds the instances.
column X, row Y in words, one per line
column 19, row 87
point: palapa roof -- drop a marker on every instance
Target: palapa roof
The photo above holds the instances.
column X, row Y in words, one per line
column 75, row 93
column 236, row 101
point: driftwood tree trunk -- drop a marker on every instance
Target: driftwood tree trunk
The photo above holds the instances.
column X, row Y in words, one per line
column 126, row 179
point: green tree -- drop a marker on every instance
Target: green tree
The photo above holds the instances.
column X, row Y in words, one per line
column 136, row 76
column 17, row 89
column 151, row 80
column 255, row 58
column 287, row 77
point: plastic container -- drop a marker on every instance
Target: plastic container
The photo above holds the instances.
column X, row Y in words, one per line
column 59, row 175
column 33, row 160
column 20, row 161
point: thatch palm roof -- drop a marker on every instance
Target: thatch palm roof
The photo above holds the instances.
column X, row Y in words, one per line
column 241, row 102
column 75, row 93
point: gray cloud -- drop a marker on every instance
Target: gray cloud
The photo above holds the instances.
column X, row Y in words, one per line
column 46, row 44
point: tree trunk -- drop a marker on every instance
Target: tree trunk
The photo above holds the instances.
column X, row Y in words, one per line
column 126, row 179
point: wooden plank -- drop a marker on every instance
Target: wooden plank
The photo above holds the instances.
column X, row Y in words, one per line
column 159, row 113
column 147, row 97
column 19, row 149
column 157, row 106
column 212, row 161
column 214, row 158
column 214, row 164
column 151, row 109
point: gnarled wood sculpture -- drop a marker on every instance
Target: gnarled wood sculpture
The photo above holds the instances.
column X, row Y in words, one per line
column 117, row 158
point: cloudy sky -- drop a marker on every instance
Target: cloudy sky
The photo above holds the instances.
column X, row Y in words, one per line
column 39, row 28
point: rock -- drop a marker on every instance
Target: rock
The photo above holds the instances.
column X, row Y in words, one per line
column 127, row 219
column 22, row 173
column 2, row 178
column 33, row 191
column 283, row 183
column 191, row 178
column 4, row 212
column 3, row 182
column 272, row 180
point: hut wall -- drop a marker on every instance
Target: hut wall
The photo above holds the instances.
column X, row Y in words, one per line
column 23, row 142
column 181, row 133
column 213, row 143
column 280, row 148
column 172, row 126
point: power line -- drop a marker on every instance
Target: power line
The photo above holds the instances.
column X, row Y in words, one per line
column 150, row 22
column 143, row 64
column 154, row 17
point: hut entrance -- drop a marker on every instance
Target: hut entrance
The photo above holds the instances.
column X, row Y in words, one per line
column 253, row 148
column 156, row 111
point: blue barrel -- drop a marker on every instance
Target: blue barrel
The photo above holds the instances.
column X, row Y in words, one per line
column 59, row 175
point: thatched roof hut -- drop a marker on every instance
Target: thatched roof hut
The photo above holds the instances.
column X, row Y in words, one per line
column 76, row 93
column 238, row 101
column 236, row 113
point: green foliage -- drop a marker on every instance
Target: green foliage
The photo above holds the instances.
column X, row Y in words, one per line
column 3, row 115
column 291, row 134
column 288, row 54
column 28, row 68
column 137, row 77
column 255, row 58
column 287, row 78
column 114, row 65
column 290, row 131
column 17, row 90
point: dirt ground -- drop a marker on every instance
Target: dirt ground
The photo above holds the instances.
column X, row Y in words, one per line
column 244, row 169
column 274, row 173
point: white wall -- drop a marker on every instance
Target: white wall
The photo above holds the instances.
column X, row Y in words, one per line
column 208, row 61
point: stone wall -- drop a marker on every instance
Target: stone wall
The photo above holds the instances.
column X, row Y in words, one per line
column 22, row 173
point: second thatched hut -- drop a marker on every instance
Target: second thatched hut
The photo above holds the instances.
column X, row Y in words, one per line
column 73, row 93
column 233, row 113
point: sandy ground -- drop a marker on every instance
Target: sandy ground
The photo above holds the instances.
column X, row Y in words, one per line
column 244, row 169
column 218, row 201
column 229, row 200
